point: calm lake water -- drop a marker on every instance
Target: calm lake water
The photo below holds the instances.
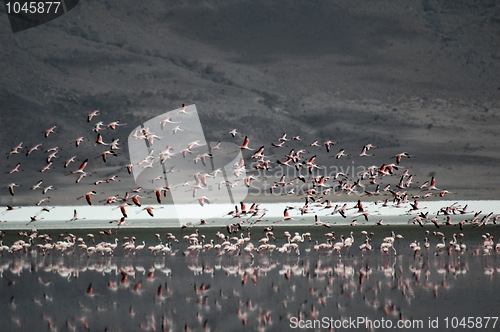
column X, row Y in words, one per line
column 221, row 290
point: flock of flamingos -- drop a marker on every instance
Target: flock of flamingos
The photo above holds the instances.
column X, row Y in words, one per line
column 311, row 183
column 121, row 279
column 71, row 289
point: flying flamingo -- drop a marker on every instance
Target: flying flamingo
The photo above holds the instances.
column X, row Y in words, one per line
column 183, row 109
column 286, row 214
column 105, row 153
column 245, row 144
column 116, row 123
column 98, row 126
column 37, row 185
column 129, row 168
column 328, row 144
column 15, row 150
column 46, row 167
column 79, row 140
column 176, row 129
column 114, row 144
column 432, row 185
column 69, row 161
column 136, row 201
column 88, row 196
column 283, row 138
column 341, row 154
column 49, row 131
column 36, row 147
column 80, row 177
column 46, row 189
column 99, row 140
column 52, row 156
column 75, row 215
column 315, row 143
column 11, row 188
column 123, row 210
column 43, row 200
column 158, row 193
column 202, row 200
column 167, row 120
column 399, row 156
column 149, row 209
column 93, row 114
column 364, row 152
column 15, row 169
column 82, row 167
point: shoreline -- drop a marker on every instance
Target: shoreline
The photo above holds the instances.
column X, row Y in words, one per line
column 217, row 215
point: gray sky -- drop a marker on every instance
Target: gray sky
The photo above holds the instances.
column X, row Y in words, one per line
column 415, row 77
